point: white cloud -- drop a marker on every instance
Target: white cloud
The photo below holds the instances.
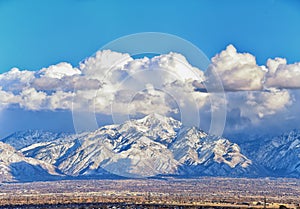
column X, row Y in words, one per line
column 8, row 98
column 128, row 77
column 163, row 84
column 178, row 65
column 282, row 75
column 32, row 99
column 16, row 80
column 268, row 102
column 103, row 64
column 66, row 83
column 46, row 89
column 273, row 64
column 60, row 100
column 237, row 71
column 257, row 106
column 144, row 102
column 58, row 71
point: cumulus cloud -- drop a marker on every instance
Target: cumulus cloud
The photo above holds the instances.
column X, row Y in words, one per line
column 282, row 75
column 32, row 99
column 58, row 71
column 7, row 99
column 66, row 83
column 268, row 102
column 60, row 100
column 102, row 80
column 15, row 80
column 254, row 93
column 146, row 102
column 46, row 89
column 237, row 71
column 260, row 109
column 125, row 82
column 165, row 84
column 103, row 64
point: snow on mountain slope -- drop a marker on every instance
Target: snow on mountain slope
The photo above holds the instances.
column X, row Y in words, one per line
column 14, row 166
column 208, row 155
column 106, row 148
column 280, row 155
column 156, row 127
column 153, row 145
column 23, row 139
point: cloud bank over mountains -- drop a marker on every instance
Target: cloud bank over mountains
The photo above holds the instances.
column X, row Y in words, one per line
column 161, row 84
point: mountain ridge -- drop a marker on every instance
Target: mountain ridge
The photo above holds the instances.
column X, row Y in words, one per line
column 152, row 146
column 17, row 167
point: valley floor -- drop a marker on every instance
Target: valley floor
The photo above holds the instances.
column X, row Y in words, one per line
column 154, row 193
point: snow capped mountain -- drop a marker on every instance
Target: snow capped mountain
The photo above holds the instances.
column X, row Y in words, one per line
column 105, row 149
column 202, row 154
column 156, row 127
column 279, row 155
column 151, row 146
column 23, row 139
column 14, row 166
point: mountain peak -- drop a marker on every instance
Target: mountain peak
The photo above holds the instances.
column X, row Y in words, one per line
column 150, row 146
column 155, row 116
column 155, row 119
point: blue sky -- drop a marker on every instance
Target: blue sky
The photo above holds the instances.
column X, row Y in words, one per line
column 260, row 96
column 36, row 34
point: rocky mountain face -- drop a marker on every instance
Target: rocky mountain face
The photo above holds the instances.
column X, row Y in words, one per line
column 152, row 146
column 22, row 139
column 14, row 166
column 278, row 156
